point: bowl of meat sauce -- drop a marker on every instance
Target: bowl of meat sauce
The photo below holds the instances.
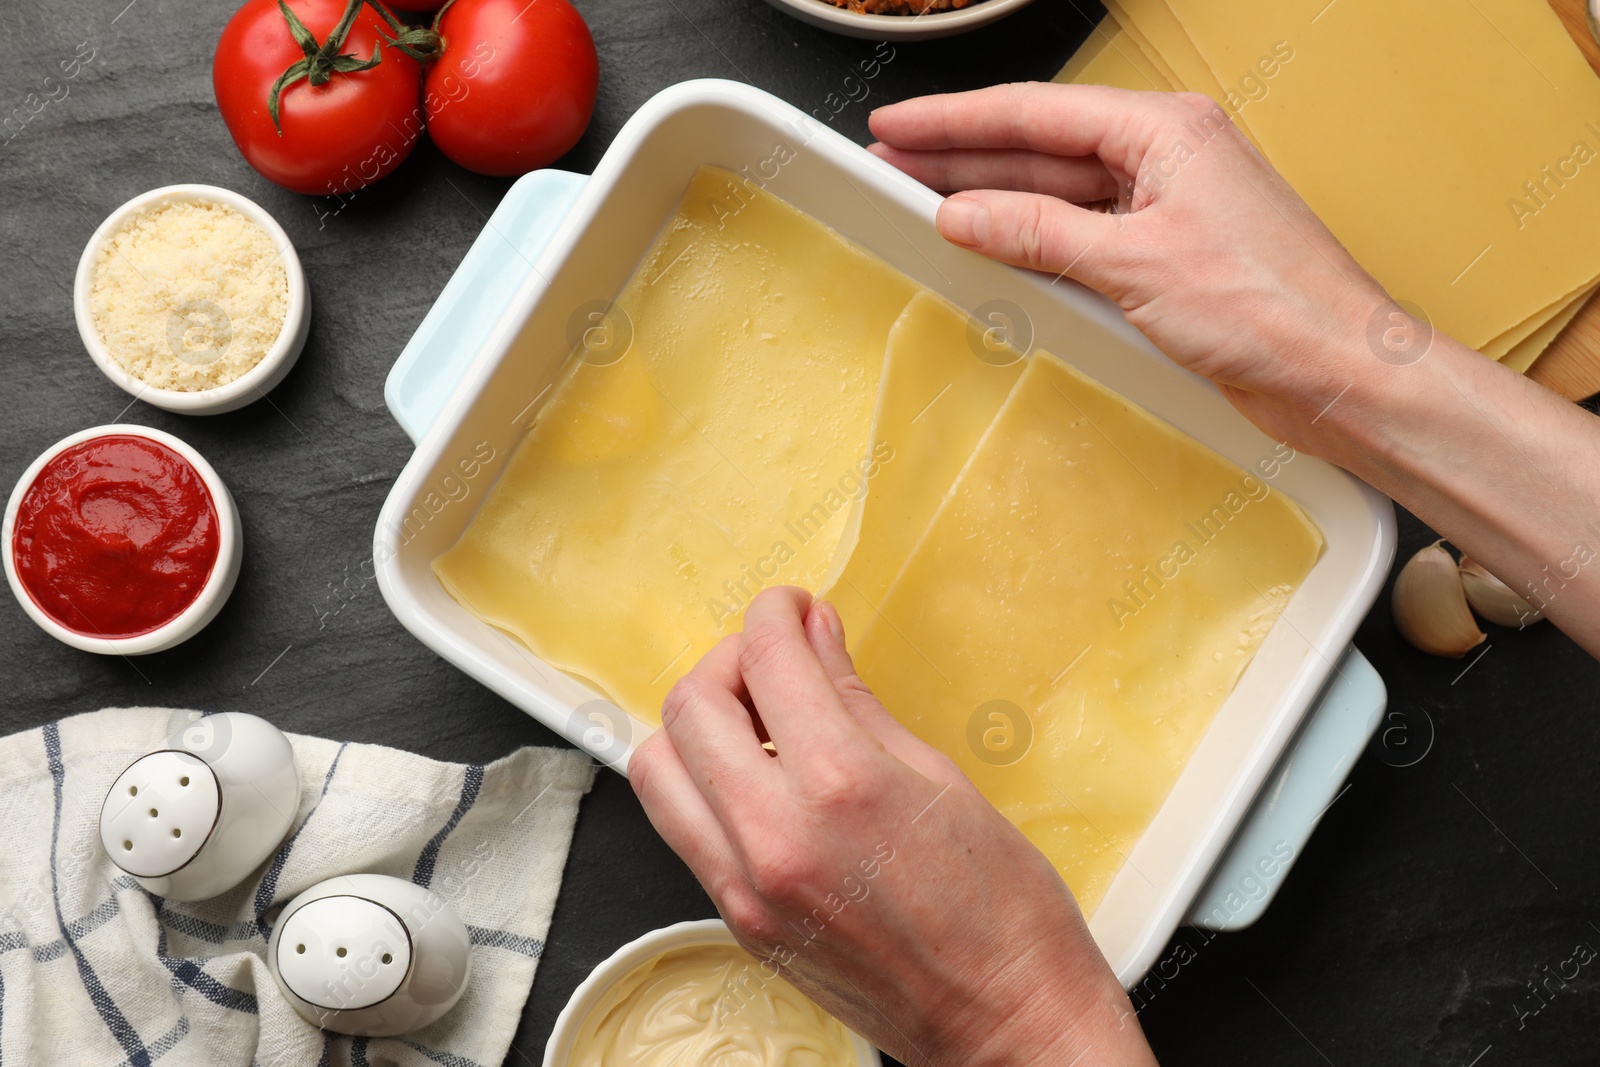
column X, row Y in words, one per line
column 121, row 540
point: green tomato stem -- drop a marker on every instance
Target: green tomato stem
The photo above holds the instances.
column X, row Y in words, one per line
column 323, row 61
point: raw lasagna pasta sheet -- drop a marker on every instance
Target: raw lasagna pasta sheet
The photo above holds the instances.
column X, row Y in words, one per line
column 1448, row 148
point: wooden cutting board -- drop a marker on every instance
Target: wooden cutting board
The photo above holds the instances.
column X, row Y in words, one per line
column 1571, row 365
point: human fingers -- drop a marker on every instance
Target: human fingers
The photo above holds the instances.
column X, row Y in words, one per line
column 1064, row 120
column 792, row 692
column 711, row 728
column 1078, row 179
column 682, row 815
column 825, row 631
column 725, row 663
column 1030, row 230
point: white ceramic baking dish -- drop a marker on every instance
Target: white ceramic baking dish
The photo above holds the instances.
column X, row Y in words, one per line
column 468, row 383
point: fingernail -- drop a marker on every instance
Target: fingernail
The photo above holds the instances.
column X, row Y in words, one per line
column 964, row 220
column 830, row 615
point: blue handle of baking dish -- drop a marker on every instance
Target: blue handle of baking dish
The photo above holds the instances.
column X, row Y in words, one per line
column 1304, row 784
column 1305, row 781
column 457, row 326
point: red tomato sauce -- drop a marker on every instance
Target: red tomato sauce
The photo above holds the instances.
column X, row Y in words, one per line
column 116, row 536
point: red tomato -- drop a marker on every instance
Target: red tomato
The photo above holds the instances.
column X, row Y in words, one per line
column 337, row 137
column 515, row 85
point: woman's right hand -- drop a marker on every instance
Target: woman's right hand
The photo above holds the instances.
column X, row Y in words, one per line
column 864, row 867
column 1208, row 251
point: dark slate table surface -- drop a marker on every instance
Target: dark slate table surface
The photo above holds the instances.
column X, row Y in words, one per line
column 1430, row 898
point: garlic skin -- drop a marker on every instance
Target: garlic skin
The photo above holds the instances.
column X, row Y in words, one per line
column 1430, row 605
column 1493, row 599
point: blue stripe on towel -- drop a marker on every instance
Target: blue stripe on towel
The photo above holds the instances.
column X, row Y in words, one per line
column 358, row 1053
column 327, row 1049
column 88, row 924
column 189, row 973
column 197, row 929
column 116, row 1022
column 167, row 1041
column 269, row 881
column 448, row 1059
column 50, row 951
column 472, row 781
column 81, row 928
column 160, row 905
column 531, row 947
column 209, row 932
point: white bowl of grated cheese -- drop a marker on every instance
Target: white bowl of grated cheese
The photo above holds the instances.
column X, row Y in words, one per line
column 191, row 298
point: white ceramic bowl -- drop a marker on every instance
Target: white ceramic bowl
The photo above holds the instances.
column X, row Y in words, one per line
column 840, row 20
column 255, row 382
column 592, row 253
column 641, row 950
column 193, row 619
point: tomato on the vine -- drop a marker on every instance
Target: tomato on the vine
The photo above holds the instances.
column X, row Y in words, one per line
column 344, row 122
column 514, row 86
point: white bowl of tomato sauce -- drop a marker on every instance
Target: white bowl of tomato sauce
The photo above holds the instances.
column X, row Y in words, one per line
column 121, row 540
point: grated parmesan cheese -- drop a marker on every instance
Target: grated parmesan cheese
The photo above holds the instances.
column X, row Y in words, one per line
column 188, row 295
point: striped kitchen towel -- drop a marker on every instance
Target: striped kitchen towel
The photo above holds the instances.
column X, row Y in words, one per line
column 95, row 970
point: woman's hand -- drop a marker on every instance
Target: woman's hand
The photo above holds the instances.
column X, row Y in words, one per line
column 1225, row 268
column 863, row 866
column 1207, row 250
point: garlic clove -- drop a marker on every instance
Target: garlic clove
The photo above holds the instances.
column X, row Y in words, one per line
column 1493, row 599
column 1430, row 605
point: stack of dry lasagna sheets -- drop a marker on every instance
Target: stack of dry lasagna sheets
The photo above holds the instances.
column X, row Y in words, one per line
column 1451, row 147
